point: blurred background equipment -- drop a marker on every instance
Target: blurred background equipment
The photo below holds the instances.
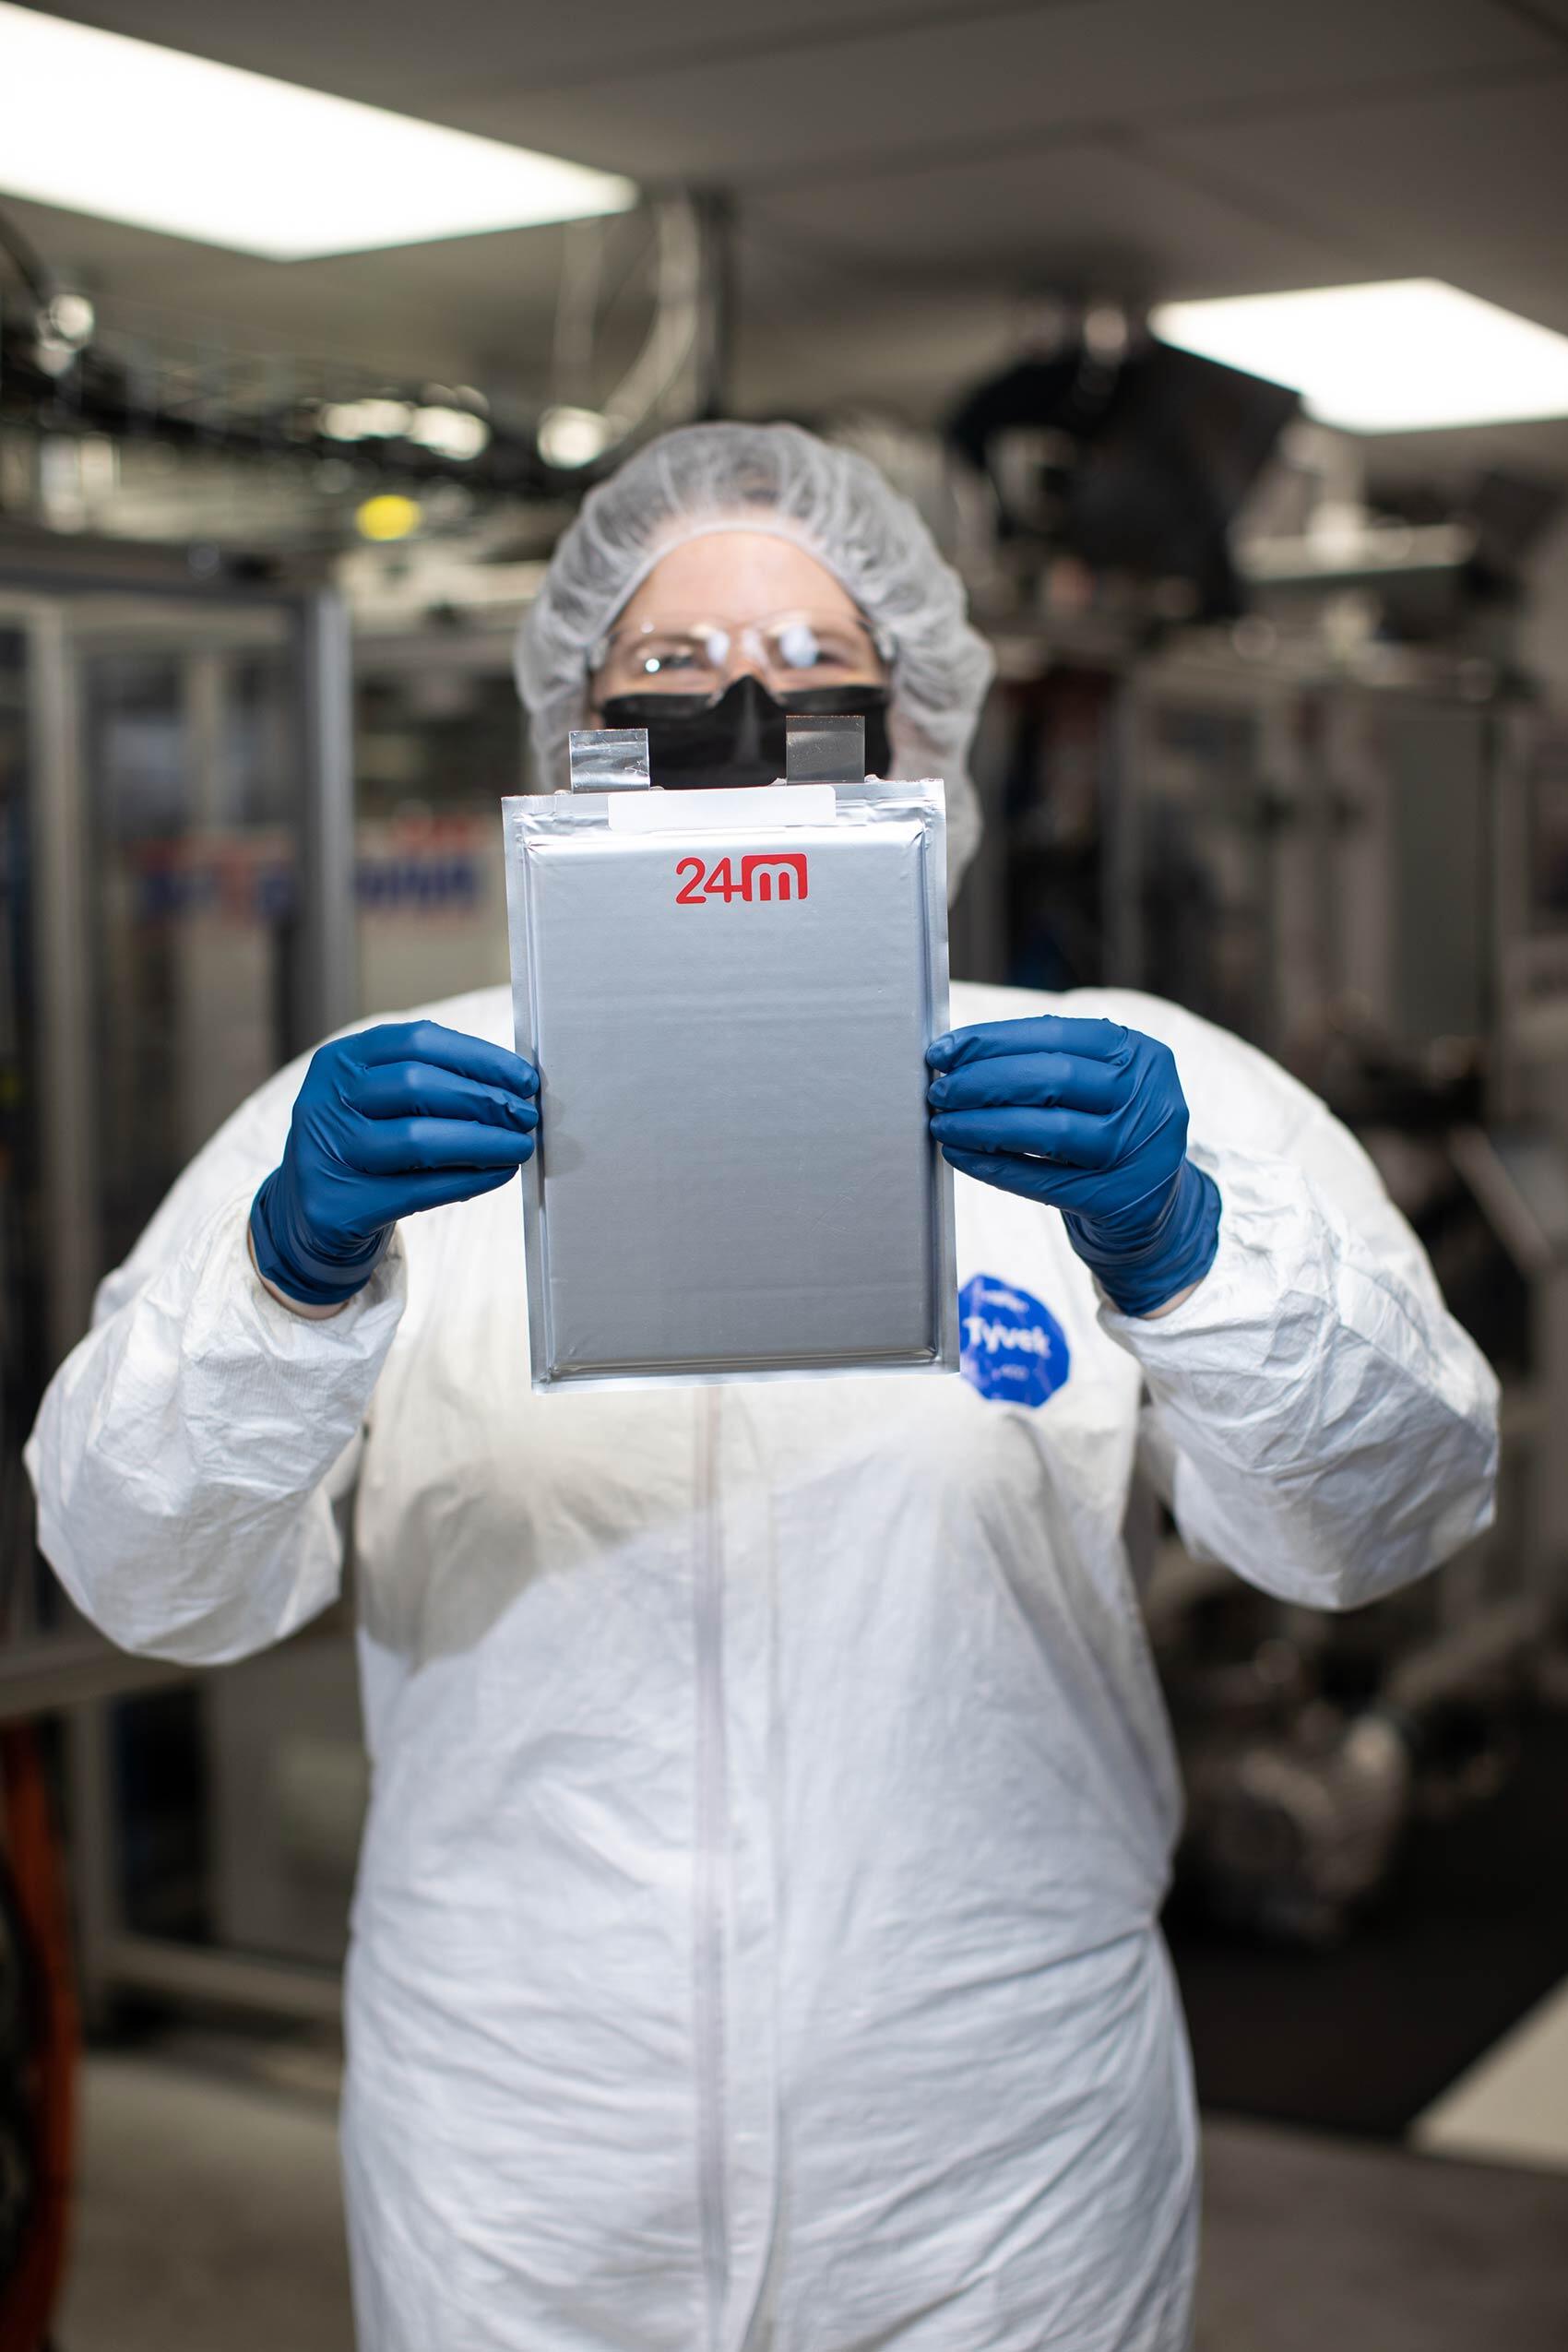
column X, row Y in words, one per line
column 1224, row 350
column 1102, row 443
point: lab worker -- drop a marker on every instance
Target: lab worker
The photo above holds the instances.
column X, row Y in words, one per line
column 755, row 1945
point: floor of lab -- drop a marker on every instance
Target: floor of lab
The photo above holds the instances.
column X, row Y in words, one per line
column 210, row 2217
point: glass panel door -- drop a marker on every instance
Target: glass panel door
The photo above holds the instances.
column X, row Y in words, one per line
column 191, row 793
column 22, row 1283
column 176, row 919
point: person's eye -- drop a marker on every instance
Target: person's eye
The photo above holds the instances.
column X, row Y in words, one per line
column 803, row 646
column 798, row 646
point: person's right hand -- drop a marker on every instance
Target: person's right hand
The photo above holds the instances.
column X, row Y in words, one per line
column 404, row 1117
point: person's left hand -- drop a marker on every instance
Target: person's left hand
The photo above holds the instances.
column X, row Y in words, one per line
column 1089, row 1117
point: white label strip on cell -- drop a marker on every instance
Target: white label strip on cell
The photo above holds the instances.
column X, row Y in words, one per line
column 743, row 809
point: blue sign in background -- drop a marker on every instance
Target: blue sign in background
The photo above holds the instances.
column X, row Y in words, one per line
column 1014, row 1352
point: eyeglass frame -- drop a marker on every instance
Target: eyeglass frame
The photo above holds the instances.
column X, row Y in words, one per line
column 882, row 641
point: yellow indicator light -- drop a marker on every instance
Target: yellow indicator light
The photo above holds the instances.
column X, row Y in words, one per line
column 388, row 516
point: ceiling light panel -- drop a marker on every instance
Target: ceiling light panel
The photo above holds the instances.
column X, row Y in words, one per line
column 94, row 123
column 1406, row 356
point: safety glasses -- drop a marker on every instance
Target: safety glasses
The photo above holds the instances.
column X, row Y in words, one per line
column 693, row 657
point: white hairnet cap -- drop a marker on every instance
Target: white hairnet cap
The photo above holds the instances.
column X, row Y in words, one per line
column 831, row 502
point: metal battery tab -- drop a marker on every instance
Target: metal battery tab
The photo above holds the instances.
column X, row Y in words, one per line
column 610, row 759
column 829, row 748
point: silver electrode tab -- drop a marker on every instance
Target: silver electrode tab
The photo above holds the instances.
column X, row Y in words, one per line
column 830, row 749
column 729, row 995
column 610, row 759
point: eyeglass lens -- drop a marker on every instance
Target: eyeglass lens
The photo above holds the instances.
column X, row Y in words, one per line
column 686, row 656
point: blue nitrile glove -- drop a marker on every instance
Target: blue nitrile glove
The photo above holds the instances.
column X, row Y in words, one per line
column 407, row 1116
column 1090, row 1117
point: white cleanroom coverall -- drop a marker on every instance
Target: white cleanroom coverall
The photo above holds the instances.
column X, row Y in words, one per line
column 756, row 1938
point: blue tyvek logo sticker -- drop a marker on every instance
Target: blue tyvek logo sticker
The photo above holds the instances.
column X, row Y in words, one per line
column 1013, row 1349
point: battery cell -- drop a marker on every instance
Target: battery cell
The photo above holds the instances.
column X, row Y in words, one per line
column 727, row 996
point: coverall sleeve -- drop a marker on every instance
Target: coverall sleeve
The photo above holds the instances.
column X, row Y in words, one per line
column 1318, row 1420
column 188, row 1453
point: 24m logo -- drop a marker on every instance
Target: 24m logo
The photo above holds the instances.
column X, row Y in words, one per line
column 763, row 879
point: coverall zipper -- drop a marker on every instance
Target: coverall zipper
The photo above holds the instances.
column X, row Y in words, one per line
column 712, row 1845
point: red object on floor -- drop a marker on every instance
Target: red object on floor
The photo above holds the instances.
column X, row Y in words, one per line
column 29, row 2296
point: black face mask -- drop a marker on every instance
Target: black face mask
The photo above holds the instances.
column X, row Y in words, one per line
column 695, row 746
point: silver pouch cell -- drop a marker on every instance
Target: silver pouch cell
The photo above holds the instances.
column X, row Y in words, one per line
column 727, row 996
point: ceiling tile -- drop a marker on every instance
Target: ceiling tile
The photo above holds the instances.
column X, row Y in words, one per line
column 419, row 310
column 1555, row 12
column 470, row 58
column 1071, row 213
column 908, row 352
column 992, row 77
column 1471, row 186
column 417, row 50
